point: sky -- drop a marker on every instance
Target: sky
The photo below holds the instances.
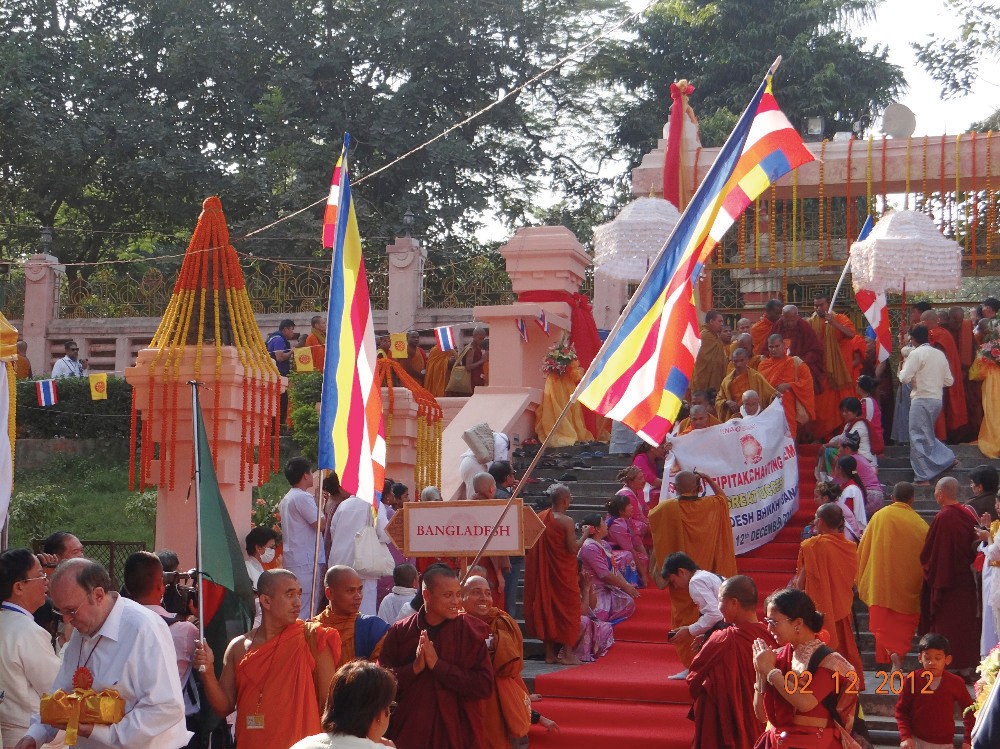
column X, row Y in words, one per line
column 897, row 24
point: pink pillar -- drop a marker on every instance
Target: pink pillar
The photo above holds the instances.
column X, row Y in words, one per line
column 406, row 273
column 175, row 508
column 42, row 275
column 610, row 295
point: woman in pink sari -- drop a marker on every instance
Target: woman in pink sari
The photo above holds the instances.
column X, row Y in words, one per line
column 645, row 459
column 596, row 637
column 615, row 595
column 624, row 537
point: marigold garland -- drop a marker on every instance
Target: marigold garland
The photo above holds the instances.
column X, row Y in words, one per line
column 847, row 186
column 821, row 204
column 795, row 213
column 941, row 190
column 991, row 199
column 756, row 233
column 975, row 202
column 923, row 177
column 885, row 196
column 906, row 192
column 772, row 226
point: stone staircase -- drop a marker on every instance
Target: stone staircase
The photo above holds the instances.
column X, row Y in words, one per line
column 595, row 484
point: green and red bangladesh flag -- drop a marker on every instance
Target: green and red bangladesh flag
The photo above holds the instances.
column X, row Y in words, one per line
column 226, row 591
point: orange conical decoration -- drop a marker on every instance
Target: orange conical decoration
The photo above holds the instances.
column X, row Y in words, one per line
column 208, row 319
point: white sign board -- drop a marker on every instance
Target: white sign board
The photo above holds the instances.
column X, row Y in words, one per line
column 458, row 529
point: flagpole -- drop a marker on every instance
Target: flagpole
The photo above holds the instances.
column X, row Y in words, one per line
column 195, row 413
column 865, row 230
column 320, row 507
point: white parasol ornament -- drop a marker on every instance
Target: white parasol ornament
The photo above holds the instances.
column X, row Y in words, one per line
column 906, row 252
column 625, row 247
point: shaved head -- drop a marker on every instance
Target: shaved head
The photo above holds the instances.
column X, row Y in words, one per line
column 475, row 581
column 832, row 515
column 340, row 574
column 776, row 338
column 742, row 589
column 745, row 341
column 946, row 491
column 930, row 319
column 686, row 482
column 269, row 580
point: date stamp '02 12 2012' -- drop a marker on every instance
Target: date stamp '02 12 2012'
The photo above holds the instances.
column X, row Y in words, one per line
column 890, row 682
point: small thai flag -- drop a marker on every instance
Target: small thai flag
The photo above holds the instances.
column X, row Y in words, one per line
column 47, row 392
column 445, row 338
column 543, row 323
column 522, row 329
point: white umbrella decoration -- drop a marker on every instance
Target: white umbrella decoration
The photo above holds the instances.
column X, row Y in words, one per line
column 906, row 252
column 625, row 247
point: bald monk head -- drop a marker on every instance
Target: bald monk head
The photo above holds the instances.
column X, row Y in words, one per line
column 740, row 358
column 744, row 341
column 829, row 518
column 946, row 491
column 789, row 316
column 484, row 486
column 344, row 590
column 772, row 309
column 930, row 319
column 476, row 596
column 699, row 398
column 743, row 325
column 738, row 599
column 751, row 402
column 280, row 595
column 699, row 417
column 776, row 346
column 687, row 483
column 903, row 492
column 561, row 497
column 441, row 593
column 956, row 316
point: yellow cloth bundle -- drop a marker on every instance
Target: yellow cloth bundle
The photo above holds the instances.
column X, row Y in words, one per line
column 70, row 709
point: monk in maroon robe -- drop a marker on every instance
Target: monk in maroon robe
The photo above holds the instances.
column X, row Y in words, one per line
column 801, row 341
column 443, row 668
column 722, row 673
column 954, row 412
column 948, row 598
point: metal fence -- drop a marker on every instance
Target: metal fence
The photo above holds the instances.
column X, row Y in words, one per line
column 110, row 554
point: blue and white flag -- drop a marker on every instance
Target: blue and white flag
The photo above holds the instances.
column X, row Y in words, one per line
column 47, row 392
column 445, row 338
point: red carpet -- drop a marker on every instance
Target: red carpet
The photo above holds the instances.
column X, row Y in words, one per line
column 625, row 698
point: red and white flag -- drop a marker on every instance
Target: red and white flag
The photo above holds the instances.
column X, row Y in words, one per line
column 877, row 313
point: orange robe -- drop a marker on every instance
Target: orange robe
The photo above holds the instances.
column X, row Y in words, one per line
column 831, row 569
column 752, row 362
column 22, row 368
column 507, row 655
column 710, row 365
column 685, row 425
column 953, row 408
column 799, row 402
column 973, row 389
column 316, row 341
column 701, row 529
column 759, row 332
column 438, row 369
column 345, row 628
column 276, row 682
column 838, row 361
column 552, row 586
column 732, row 389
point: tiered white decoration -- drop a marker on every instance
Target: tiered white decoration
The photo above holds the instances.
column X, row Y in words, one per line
column 625, row 247
column 906, row 248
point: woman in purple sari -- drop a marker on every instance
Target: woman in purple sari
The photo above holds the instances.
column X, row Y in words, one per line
column 615, row 595
column 596, row 637
column 624, row 538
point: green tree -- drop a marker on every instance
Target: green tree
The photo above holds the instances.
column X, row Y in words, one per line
column 724, row 47
column 955, row 62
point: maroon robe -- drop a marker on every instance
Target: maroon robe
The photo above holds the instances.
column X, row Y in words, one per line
column 439, row 708
column 721, row 682
column 805, row 344
column 948, row 598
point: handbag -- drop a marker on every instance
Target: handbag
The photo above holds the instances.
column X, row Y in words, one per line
column 460, row 380
column 371, row 557
column 515, row 705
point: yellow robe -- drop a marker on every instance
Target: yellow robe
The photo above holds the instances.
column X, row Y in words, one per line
column 438, row 369
column 701, row 529
column 732, row 389
column 710, row 366
column 989, row 429
column 555, row 396
column 890, row 572
column 838, row 360
column 345, row 627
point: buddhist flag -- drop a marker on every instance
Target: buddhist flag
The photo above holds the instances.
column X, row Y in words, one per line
column 643, row 369
column 875, row 310
column 303, row 359
column 47, row 395
column 351, row 433
column 225, row 589
column 445, row 338
column 397, row 345
column 98, row 386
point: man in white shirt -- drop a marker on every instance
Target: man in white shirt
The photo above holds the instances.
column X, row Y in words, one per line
column 28, row 664
column 143, row 576
column 404, row 588
column 351, row 516
column 125, row 647
column 681, row 571
column 926, row 370
column 300, row 518
column 70, row 365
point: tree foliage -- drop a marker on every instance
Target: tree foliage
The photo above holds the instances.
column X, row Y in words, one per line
column 956, row 62
column 724, row 47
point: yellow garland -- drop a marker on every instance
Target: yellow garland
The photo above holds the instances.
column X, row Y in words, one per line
column 11, row 410
column 923, row 178
column 795, row 212
column 991, row 200
column 756, row 234
column 821, row 203
column 772, row 225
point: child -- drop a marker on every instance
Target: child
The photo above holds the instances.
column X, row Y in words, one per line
column 926, row 706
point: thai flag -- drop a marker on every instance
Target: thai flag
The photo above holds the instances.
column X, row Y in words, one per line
column 47, row 392
column 875, row 310
column 543, row 323
column 522, row 329
column 445, row 338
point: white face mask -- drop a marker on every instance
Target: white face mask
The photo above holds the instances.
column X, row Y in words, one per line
column 268, row 556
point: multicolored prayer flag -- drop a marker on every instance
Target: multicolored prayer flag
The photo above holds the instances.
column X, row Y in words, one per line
column 98, row 386
column 397, row 345
column 351, row 432
column 47, row 395
column 445, row 338
column 875, row 309
column 522, row 329
column 542, row 322
column 644, row 367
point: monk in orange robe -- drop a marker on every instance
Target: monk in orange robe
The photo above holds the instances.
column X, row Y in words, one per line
column 710, row 365
column 953, row 409
column 761, row 329
column 438, row 370
column 700, row 417
column 826, row 570
column 745, row 342
column 551, row 584
column 793, row 381
column 316, row 341
column 737, row 382
column 507, row 655
column 361, row 635
column 837, row 333
column 278, row 675
column 800, row 342
column 962, row 331
column 699, row 527
column 415, row 363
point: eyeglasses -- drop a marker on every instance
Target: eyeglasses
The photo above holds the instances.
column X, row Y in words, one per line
column 71, row 613
column 32, row 579
column 772, row 623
